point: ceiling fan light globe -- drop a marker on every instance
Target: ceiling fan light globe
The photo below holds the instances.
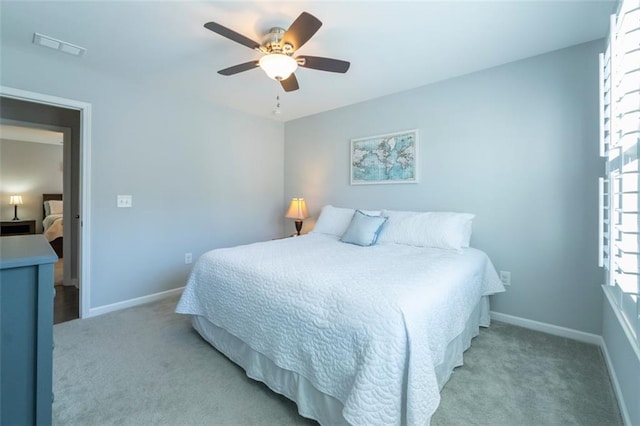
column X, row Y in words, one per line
column 278, row 66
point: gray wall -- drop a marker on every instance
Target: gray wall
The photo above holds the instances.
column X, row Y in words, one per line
column 28, row 169
column 201, row 176
column 516, row 145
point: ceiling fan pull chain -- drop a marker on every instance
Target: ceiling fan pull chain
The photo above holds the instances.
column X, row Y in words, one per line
column 277, row 111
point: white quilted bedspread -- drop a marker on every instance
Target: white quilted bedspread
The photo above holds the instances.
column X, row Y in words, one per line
column 52, row 227
column 350, row 319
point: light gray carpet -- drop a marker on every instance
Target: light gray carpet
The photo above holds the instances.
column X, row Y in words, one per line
column 146, row 365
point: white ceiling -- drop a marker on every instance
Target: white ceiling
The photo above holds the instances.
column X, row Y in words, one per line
column 392, row 46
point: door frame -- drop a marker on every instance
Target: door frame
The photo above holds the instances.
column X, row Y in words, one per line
column 84, row 249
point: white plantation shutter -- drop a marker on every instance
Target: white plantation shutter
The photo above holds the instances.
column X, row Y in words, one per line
column 619, row 136
column 605, row 101
column 603, row 223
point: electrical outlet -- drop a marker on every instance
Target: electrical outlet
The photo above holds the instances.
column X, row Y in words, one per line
column 505, row 277
column 188, row 258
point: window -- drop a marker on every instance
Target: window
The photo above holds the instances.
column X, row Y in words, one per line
column 619, row 136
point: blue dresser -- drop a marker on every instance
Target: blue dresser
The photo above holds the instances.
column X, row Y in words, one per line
column 26, row 325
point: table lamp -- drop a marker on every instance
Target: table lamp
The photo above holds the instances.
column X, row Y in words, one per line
column 15, row 200
column 298, row 211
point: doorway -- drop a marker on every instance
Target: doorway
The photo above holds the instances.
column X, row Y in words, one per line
column 33, row 168
column 74, row 118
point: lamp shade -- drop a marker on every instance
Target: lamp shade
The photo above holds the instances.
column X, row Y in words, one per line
column 16, row 200
column 297, row 209
column 278, row 66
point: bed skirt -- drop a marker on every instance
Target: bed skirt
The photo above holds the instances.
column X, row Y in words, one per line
column 312, row 403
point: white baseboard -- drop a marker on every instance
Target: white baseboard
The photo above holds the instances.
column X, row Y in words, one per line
column 100, row 310
column 544, row 327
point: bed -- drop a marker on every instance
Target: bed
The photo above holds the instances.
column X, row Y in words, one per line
column 361, row 335
column 52, row 221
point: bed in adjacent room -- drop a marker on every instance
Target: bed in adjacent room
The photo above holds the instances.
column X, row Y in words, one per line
column 52, row 221
column 362, row 332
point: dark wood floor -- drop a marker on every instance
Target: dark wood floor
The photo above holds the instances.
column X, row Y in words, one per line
column 65, row 304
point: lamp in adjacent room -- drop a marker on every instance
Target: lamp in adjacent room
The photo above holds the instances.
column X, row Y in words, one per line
column 298, row 211
column 15, row 200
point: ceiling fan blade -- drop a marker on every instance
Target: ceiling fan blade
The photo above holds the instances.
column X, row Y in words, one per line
column 302, row 29
column 231, row 35
column 239, row 68
column 323, row 64
column 290, row 84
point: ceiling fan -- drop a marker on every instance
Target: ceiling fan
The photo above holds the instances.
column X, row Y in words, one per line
column 278, row 48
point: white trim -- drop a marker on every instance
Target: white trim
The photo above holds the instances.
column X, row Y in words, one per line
column 544, row 327
column 85, row 211
column 616, row 385
column 84, row 252
column 100, row 310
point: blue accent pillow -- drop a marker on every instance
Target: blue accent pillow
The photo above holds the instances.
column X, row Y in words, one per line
column 363, row 229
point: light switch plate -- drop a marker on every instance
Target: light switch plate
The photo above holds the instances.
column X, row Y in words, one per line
column 125, row 201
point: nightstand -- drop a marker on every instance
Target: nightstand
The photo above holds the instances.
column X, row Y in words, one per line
column 17, row 227
column 282, row 238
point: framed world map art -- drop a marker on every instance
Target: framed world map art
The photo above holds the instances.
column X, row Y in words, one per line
column 390, row 158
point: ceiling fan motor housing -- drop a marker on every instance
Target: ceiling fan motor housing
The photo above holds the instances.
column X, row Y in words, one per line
column 272, row 42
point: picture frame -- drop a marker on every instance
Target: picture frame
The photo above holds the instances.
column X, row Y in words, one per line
column 385, row 159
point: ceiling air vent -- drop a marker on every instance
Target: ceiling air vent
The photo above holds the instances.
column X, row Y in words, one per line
column 62, row 46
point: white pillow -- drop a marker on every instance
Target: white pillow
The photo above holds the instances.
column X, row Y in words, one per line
column 55, row 206
column 371, row 212
column 333, row 220
column 446, row 230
